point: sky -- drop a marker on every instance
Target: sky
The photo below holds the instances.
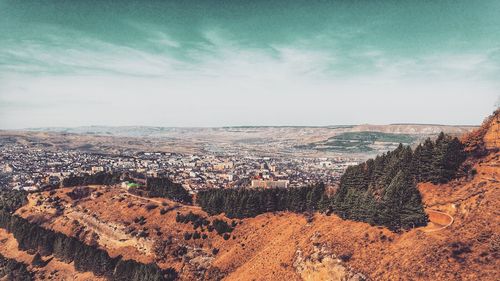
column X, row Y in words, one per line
column 229, row 63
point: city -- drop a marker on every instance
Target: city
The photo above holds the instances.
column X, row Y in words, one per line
column 32, row 168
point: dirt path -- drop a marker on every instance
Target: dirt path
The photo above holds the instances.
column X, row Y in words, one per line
column 144, row 198
column 193, row 208
column 440, row 219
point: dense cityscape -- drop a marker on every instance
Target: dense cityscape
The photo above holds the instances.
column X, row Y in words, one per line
column 30, row 168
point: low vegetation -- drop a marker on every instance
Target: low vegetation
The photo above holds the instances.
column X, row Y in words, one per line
column 198, row 221
column 359, row 142
column 195, row 219
column 222, row 227
column 80, row 192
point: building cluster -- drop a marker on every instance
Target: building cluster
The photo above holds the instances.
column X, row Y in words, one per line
column 29, row 168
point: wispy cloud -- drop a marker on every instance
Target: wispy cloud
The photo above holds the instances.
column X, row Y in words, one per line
column 219, row 55
column 223, row 81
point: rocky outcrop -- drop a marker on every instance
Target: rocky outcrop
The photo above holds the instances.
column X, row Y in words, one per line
column 323, row 264
column 487, row 137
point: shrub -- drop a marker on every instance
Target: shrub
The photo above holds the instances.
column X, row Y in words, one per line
column 345, row 257
column 151, row 206
column 179, row 251
column 459, row 251
column 38, row 261
column 221, row 226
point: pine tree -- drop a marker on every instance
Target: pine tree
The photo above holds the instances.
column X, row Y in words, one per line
column 402, row 205
column 37, row 261
column 324, row 203
column 426, row 161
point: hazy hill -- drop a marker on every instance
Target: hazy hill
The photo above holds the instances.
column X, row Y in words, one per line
column 150, row 131
column 290, row 141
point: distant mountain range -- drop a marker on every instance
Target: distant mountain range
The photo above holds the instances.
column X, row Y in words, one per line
column 297, row 141
column 152, row 131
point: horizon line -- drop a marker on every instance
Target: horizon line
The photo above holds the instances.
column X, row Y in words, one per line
column 234, row 126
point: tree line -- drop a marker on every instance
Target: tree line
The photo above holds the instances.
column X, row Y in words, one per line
column 11, row 269
column 155, row 187
column 380, row 191
column 100, row 178
column 165, row 188
column 437, row 161
column 11, row 200
column 243, row 203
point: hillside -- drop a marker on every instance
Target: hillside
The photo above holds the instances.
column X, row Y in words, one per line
column 267, row 140
column 461, row 242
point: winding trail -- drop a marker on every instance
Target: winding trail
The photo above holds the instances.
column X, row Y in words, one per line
column 144, row 198
column 436, row 218
column 161, row 201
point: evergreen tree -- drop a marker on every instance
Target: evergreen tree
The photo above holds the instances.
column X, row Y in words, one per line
column 426, row 169
column 401, row 203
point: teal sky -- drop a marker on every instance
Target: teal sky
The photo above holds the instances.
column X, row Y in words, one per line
column 220, row 63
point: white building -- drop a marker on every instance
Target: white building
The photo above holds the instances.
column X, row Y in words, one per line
column 270, row 183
